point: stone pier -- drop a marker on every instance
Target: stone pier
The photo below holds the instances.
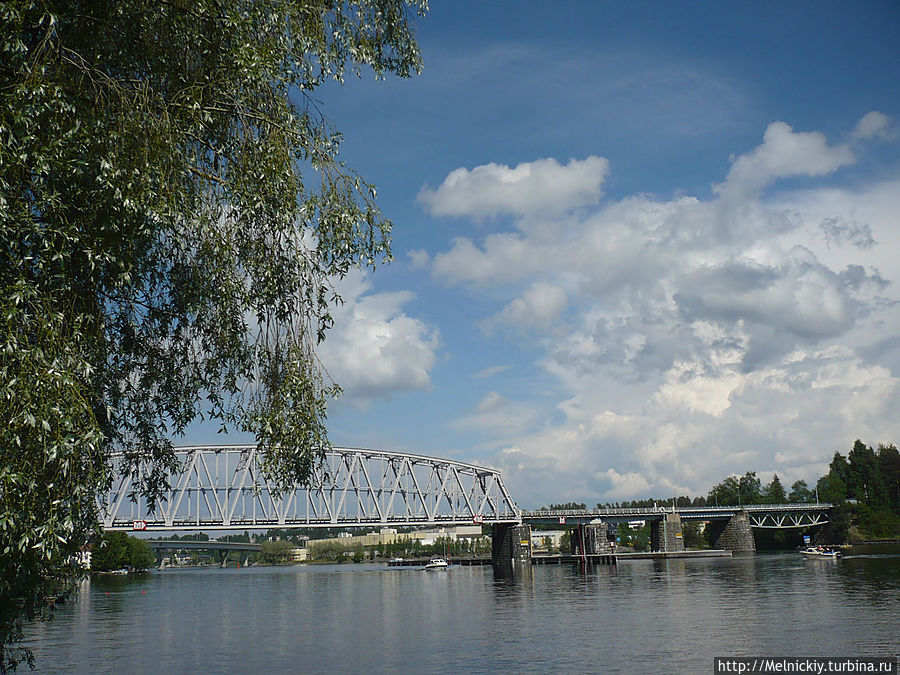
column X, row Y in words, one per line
column 594, row 538
column 732, row 535
column 510, row 545
column 666, row 535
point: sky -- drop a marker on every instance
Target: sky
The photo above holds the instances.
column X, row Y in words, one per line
column 638, row 247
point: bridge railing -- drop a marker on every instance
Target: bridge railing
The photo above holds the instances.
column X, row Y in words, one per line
column 757, row 511
column 224, row 487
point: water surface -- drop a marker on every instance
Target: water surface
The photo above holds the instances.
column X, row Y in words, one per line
column 641, row 616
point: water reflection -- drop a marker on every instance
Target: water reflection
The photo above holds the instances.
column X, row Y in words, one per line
column 675, row 614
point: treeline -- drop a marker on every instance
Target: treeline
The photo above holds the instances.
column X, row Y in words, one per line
column 864, row 486
column 334, row 550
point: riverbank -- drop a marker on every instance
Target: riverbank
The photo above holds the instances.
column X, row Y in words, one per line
column 872, row 547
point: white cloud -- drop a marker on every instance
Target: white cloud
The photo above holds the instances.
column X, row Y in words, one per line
column 540, row 306
column 784, row 153
column 625, row 486
column 418, row 258
column 499, row 416
column 703, row 337
column 375, row 349
column 875, row 125
column 490, row 371
column 531, row 188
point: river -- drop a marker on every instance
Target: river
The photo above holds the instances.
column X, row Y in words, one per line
column 640, row 616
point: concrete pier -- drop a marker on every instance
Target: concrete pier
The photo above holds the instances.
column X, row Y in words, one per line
column 510, row 545
column 734, row 534
column 666, row 534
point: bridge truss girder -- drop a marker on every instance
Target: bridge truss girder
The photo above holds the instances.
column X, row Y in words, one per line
column 787, row 519
column 224, row 488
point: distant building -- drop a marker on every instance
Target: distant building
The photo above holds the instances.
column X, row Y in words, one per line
column 539, row 540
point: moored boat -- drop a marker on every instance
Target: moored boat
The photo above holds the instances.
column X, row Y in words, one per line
column 820, row 552
column 437, row 564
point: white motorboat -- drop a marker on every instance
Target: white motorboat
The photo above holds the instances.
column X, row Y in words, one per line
column 437, row 564
column 820, row 552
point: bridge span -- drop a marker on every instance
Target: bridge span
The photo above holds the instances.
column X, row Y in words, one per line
column 225, row 488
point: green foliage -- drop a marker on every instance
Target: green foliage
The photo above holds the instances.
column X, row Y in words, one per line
column 725, row 493
column 866, row 489
column 864, row 480
column 117, row 550
column 172, row 214
column 889, row 466
column 800, row 493
column 278, row 551
column 141, row 556
column 568, row 506
column 774, row 492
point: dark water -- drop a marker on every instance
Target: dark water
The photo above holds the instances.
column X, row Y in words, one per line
column 642, row 616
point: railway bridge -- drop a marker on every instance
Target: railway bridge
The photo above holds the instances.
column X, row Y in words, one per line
column 225, row 488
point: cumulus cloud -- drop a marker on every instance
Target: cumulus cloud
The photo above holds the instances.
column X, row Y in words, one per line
column 531, row 188
column 375, row 349
column 703, row 337
column 784, row 153
column 540, row 306
column 418, row 258
column 875, row 125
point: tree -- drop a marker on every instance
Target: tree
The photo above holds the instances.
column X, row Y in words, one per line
column 276, row 551
column 800, row 493
column 889, row 466
column 112, row 552
column 750, row 488
column 140, row 555
column 864, row 480
column 172, row 214
column 725, row 493
column 774, row 492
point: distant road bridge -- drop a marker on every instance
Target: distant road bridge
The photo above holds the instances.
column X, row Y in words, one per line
column 763, row 516
column 193, row 544
column 727, row 527
column 225, row 488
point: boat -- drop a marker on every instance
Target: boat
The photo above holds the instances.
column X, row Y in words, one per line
column 437, row 564
column 820, row 552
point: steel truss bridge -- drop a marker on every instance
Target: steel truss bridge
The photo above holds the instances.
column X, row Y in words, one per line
column 763, row 516
column 224, row 488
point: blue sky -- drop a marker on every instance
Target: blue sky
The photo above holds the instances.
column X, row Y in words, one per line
column 638, row 246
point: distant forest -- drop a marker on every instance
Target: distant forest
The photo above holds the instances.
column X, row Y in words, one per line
column 864, row 486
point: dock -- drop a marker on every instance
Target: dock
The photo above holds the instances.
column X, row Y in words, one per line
column 668, row 555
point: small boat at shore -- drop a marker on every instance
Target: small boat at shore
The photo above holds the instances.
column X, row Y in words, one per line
column 437, row 564
column 820, row 552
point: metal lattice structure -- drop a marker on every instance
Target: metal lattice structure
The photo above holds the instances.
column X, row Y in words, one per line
column 224, row 487
column 782, row 519
column 765, row 516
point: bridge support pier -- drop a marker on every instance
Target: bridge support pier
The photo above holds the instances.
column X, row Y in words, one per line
column 590, row 540
column 733, row 535
column 510, row 545
column 666, row 534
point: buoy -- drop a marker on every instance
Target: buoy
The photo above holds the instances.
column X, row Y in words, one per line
column 143, row 592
